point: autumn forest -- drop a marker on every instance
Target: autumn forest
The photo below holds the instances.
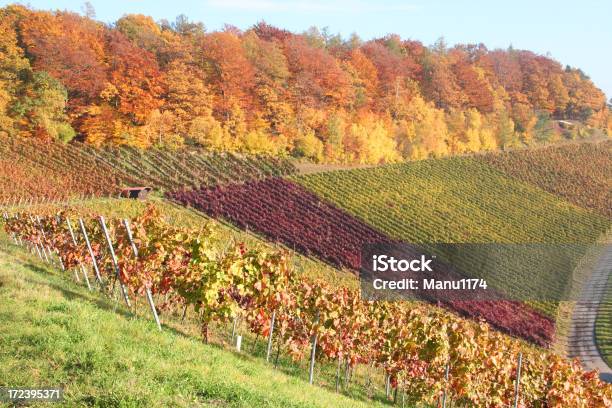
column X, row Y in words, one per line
column 314, row 95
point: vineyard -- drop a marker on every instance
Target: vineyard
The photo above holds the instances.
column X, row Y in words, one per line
column 579, row 173
column 185, row 264
column 286, row 212
column 33, row 169
column 252, row 216
column 187, row 269
column 449, row 200
column 189, row 168
column 455, row 200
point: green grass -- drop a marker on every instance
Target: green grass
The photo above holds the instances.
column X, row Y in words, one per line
column 54, row 332
column 603, row 326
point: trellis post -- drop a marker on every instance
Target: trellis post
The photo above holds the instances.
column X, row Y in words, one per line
column 313, row 352
column 387, row 385
column 115, row 262
column 518, row 380
column 38, row 251
column 233, row 332
column 91, row 253
column 126, row 223
column 269, row 350
column 59, row 257
column 445, row 385
column 16, row 216
column 312, row 360
column 74, row 241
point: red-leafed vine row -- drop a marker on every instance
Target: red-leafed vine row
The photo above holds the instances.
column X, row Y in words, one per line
column 411, row 342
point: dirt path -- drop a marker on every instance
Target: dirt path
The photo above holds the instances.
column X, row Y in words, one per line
column 582, row 333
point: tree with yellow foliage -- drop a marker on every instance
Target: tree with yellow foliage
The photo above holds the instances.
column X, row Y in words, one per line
column 425, row 133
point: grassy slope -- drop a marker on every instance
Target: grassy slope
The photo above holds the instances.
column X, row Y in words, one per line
column 54, row 332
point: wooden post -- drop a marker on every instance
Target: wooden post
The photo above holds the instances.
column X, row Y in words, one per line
column 84, row 271
column 115, row 263
column 312, row 360
column 238, row 343
column 518, row 380
column 269, row 351
column 387, row 385
column 233, row 333
column 91, row 253
column 126, row 223
column 42, row 249
column 74, row 241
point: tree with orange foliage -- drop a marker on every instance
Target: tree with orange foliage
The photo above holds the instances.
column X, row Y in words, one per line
column 228, row 71
column 317, row 78
column 71, row 49
column 366, row 82
column 12, row 64
column 271, row 80
column 136, row 76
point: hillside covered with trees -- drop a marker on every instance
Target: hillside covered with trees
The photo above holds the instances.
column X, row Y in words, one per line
column 143, row 83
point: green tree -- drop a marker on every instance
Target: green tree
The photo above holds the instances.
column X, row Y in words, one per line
column 43, row 102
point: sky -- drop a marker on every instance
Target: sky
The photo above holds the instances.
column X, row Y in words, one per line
column 576, row 33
